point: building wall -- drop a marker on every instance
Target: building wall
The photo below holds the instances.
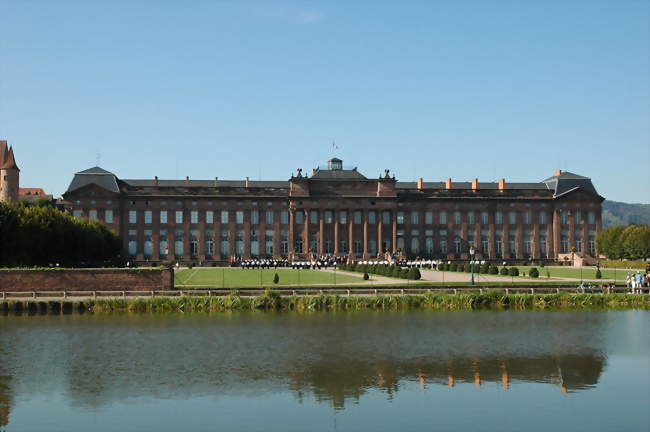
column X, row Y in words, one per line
column 422, row 235
column 87, row 280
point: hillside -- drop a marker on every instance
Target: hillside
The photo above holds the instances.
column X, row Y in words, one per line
column 618, row 213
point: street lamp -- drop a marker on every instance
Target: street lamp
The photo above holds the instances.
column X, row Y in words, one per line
column 472, row 251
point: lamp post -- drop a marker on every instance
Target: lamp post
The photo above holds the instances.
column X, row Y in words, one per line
column 472, row 251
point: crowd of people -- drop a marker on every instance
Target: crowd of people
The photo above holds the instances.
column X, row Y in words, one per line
column 638, row 281
column 316, row 263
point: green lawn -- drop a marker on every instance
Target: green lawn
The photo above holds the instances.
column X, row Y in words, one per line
column 572, row 272
column 218, row 277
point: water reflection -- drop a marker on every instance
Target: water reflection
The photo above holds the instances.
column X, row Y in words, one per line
column 96, row 361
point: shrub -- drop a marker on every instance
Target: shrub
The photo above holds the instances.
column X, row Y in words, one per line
column 276, row 278
column 404, row 273
column 453, row 267
column 190, row 265
column 441, row 266
column 396, row 272
column 414, row 273
column 365, row 276
column 534, row 273
column 485, row 268
column 504, row 271
column 494, row 270
column 541, row 264
column 514, row 271
column 599, row 275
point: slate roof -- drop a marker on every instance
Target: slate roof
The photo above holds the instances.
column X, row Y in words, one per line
column 343, row 174
column 206, row 183
column 468, row 185
column 96, row 175
column 566, row 182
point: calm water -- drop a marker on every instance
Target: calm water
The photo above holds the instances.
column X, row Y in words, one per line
column 410, row 371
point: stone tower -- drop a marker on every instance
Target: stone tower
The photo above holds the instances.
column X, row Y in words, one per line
column 9, row 174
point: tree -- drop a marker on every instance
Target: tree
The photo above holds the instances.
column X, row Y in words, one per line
column 504, row 271
column 608, row 242
column 514, row 271
column 365, row 276
column 599, row 275
column 534, row 273
column 276, row 279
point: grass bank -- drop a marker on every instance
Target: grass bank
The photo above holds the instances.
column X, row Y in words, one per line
column 271, row 300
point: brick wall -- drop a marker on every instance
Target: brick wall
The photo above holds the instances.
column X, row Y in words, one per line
column 87, row 280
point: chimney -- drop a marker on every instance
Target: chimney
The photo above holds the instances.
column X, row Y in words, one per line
column 420, row 183
column 448, row 184
column 247, row 181
column 502, row 184
column 475, row 184
column 215, row 181
column 558, row 172
column 155, row 180
column 313, row 171
column 187, row 180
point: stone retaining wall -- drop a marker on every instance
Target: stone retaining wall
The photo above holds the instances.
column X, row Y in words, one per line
column 87, row 280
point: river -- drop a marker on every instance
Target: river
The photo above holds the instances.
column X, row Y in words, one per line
column 327, row 371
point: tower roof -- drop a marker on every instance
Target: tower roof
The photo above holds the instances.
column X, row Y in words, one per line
column 9, row 160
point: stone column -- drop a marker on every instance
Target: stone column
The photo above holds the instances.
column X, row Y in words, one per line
column 536, row 246
column 505, row 235
column 321, row 232
column 305, row 233
column 217, row 235
column 366, row 254
column 290, row 238
column 394, row 239
column 380, row 233
column 155, row 235
column 261, row 231
column 350, row 234
column 336, row 232
column 557, row 228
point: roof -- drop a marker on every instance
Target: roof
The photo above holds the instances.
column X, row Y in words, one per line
column 343, row 174
column 468, row 185
column 564, row 182
column 96, row 175
column 335, row 159
column 31, row 191
column 8, row 161
column 205, row 183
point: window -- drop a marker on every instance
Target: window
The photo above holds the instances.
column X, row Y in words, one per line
column 400, row 217
column 147, row 217
column 357, row 248
column 428, row 245
column 209, row 246
column 194, row 217
column 328, row 247
column 457, row 218
column 92, row 214
column 239, row 217
column 328, row 217
column 108, row 216
column 527, row 218
column 343, row 217
column 485, row 218
column 564, row 244
column 224, row 216
column 578, row 216
column 163, row 216
column 542, row 245
column 239, row 242
column 512, row 218
column 428, row 218
column 499, row 247
column 592, row 246
column 133, row 216
column 299, row 246
column 564, row 218
column 343, row 246
column 512, row 248
column 498, row 218
column 443, row 246
column 357, row 217
column 591, row 218
column 179, row 216
column 443, row 218
column 415, row 245
column 268, row 247
column 457, row 245
column 268, row 218
column 484, row 247
column 255, row 217
column 284, row 217
column 542, row 218
column 579, row 245
column 163, row 248
column 299, row 217
column 372, row 217
column 132, row 247
column 470, row 218
column 209, row 217
column 372, row 247
column 386, row 217
column 415, row 218
column 313, row 217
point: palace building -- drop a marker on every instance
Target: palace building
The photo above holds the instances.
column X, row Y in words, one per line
column 339, row 211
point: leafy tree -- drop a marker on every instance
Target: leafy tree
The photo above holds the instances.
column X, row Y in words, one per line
column 599, row 275
column 276, row 279
column 514, row 271
column 534, row 273
column 365, row 276
column 504, row 271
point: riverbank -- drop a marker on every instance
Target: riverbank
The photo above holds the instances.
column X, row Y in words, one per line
column 272, row 300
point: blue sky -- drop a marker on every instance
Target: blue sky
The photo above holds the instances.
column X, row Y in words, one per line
column 458, row 89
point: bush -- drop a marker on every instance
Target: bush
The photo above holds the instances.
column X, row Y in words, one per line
column 453, row 267
column 414, row 273
column 190, row 265
column 365, row 276
column 504, row 271
column 485, row 268
column 514, row 271
column 441, row 266
column 541, row 264
column 404, row 273
column 534, row 273
column 276, row 278
column 599, row 275
column 494, row 270
column 396, row 272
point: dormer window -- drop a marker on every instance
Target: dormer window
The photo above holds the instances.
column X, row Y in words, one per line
column 335, row 164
